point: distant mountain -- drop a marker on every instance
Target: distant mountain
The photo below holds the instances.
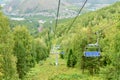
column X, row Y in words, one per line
column 28, row 6
column 33, row 6
column 93, row 1
column 4, row 1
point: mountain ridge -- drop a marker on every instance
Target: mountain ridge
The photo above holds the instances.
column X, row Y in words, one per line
column 27, row 6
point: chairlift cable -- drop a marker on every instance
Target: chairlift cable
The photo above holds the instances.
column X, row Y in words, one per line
column 56, row 23
column 80, row 10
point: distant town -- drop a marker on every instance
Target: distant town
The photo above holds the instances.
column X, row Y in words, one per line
column 64, row 13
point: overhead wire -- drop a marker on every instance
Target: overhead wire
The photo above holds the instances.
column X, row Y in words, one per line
column 80, row 10
column 56, row 23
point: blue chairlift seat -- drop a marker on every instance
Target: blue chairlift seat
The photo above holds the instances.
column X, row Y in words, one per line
column 92, row 54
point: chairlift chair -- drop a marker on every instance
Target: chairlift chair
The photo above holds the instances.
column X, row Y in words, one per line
column 92, row 53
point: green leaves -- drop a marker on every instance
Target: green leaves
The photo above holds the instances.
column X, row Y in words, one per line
column 41, row 50
column 7, row 60
column 72, row 60
column 23, row 50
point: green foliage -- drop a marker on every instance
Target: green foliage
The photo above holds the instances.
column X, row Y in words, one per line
column 47, row 36
column 92, row 64
column 83, row 31
column 23, row 50
column 69, row 77
column 71, row 62
column 109, row 73
column 41, row 50
column 116, row 56
column 7, row 60
column 62, row 54
column 31, row 25
column 72, row 40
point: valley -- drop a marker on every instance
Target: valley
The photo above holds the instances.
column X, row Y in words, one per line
column 69, row 8
column 35, row 46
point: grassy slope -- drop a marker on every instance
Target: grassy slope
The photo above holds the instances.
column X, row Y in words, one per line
column 46, row 70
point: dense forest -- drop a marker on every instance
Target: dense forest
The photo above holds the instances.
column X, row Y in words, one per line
column 21, row 50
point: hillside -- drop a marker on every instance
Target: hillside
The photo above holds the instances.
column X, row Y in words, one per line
column 25, row 6
column 92, row 19
column 31, row 6
column 73, row 41
column 87, row 50
column 93, row 1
